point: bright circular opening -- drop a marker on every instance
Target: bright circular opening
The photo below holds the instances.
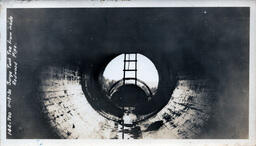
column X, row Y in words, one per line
column 134, row 63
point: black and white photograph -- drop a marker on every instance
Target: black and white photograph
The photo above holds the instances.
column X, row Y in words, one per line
column 127, row 72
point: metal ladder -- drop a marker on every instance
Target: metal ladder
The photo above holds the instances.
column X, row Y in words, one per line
column 130, row 66
column 129, row 73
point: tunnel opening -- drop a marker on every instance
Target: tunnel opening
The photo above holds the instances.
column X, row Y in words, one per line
column 130, row 68
column 92, row 80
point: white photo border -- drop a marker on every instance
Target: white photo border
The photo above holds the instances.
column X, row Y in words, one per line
column 251, row 141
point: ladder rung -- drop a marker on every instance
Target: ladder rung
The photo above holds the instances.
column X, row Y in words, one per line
column 130, row 60
column 130, row 70
column 129, row 78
